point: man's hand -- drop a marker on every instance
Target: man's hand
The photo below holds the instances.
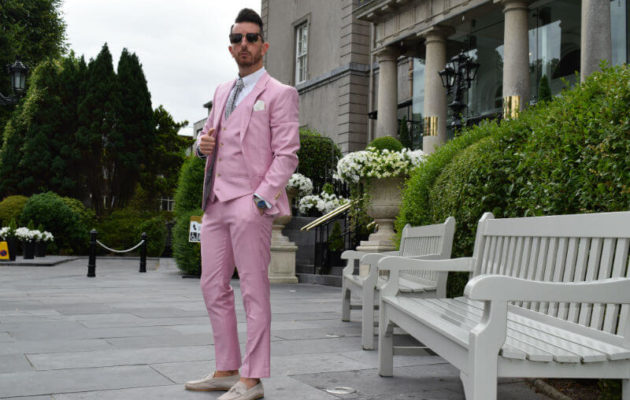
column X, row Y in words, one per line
column 207, row 143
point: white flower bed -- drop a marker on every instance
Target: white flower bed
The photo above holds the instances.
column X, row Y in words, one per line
column 47, row 236
column 5, row 233
column 301, row 184
column 27, row 235
column 324, row 203
column 373, row 163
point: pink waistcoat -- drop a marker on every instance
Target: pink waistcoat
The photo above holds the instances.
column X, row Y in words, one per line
column 230, row 173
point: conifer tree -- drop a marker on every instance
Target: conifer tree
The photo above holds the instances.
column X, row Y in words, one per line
column 134, row 137
column 98, row 127
column 166, row 156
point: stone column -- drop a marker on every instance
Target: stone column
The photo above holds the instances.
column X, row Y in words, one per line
column 515, row 54
column 387, row 105
column 434, row 93
column 596, row 42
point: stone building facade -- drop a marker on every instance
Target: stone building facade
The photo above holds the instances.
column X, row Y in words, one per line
column 353, row 60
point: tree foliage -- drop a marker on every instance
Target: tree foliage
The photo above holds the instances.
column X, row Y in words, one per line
column 98, row 129
column 127, row 145
column 33, row 30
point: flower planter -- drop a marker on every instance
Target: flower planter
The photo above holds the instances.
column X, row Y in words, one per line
column 28, row 248
column 385, row 200
column 40, row 249
column 12, row 245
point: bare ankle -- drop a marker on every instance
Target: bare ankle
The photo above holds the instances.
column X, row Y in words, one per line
column 221, row 374
column 250, row 382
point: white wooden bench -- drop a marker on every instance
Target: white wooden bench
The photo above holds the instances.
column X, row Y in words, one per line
column 433, row 241
column 548, row 298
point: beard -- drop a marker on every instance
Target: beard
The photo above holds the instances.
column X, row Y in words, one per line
column 248, row 62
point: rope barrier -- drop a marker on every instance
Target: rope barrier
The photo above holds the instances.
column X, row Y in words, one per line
column 120, row 251
column 92, row 258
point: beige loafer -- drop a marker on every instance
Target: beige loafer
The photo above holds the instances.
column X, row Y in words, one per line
column 240, row 392
column 210, row 383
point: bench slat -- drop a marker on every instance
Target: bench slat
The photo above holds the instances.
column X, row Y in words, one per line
column 516, row 346
column 605, row 269
column 578, row 276
column 590, row 347
column 619, row 266
column 542, row 341
column 569, row 273
column 591, row 274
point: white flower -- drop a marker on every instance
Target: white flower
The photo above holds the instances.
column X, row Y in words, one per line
column 324, row 203
column 302, row 184
column 373, row 163
column 25, row 234
column 5, row 232
column 47, row 236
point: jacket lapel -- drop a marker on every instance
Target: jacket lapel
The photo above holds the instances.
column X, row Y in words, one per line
column 248, row 102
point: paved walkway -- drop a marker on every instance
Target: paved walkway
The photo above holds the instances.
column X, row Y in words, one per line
column 126, row 335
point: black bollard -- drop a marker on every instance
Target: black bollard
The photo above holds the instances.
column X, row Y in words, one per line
column 143, row 253
column 92, row 261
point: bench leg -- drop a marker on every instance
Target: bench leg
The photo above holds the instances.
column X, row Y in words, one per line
column 345, row 302
column 625, row 389
column 385, row 344
column 367, row 318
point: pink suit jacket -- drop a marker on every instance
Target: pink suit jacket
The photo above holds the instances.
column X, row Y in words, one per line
column 269, row 139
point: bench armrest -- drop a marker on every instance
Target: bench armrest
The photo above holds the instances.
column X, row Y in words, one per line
column 364, row 257
column 431, row 262
column 504, row 288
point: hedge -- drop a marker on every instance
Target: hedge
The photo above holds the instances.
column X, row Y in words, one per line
column 186, row 254
column 122, row 229
column 318, row 157
column 189, row 185
column 560, row 157
column 187, row 202
column 10, row 209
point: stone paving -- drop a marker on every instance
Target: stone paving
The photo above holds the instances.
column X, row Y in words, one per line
column 126, row 335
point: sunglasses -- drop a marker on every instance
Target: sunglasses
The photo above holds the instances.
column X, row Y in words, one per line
column 251, row 37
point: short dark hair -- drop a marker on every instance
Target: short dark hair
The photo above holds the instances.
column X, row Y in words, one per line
column 249, row 15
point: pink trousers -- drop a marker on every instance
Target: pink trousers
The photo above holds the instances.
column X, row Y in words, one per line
column 233, row 233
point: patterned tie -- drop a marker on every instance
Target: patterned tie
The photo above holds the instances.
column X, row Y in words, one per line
column 231, row 105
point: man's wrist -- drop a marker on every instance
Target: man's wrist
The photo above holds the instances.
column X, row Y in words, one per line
column 260, row 202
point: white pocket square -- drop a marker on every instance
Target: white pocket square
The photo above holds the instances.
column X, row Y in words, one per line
column 259, row 105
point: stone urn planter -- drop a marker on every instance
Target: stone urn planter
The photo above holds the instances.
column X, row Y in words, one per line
column 384, row 203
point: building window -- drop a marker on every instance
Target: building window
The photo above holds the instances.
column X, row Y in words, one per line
column 166, row 204
column 301, row 52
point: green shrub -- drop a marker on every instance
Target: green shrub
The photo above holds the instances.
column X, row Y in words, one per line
column 50, row 211
column 565, row 156
column 87, row 216
column 122, row 229
column 189, row 185
column 186, row 254
column 11, row 208
column 155, row 229
column 119, row 230
column 318, row 157
column 386, row 143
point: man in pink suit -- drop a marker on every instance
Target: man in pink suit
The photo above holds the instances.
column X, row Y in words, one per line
column 250, row 141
